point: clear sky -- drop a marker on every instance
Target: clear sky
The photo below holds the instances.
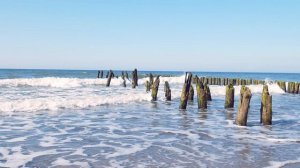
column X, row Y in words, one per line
column 198, row 35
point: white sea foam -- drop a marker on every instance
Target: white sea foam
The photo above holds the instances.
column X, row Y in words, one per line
column 15, row 158
column 70, row 102
column 277, row 164
column 57, row 82
column 75, row 93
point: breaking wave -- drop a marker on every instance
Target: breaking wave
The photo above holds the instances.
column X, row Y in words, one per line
column 34, row 94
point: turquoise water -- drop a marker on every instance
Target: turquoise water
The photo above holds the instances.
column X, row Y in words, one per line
column 55, row 118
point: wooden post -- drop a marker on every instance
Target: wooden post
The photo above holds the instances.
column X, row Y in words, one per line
column 231, row 81
column 282, row 85
column 124, row 80
column 266, row 107
column 207, row 92
column 134, row 78
column 101, row 74
column 191, row 92
column 243, row 107
column 155, row 87
column 185, row 91
column 206, row 81
column 107, row 74
column 201, row 94
column 148, row 87
column 194, row 79
column 296, row 90
column 291, row 87
column 151, row 79
column 126, row 75
column 167, row 91
column 110, row 75
column 98, row 76
column 229, row 98
column 210, row 81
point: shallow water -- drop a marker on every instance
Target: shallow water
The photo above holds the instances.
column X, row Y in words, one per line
column 75, row 122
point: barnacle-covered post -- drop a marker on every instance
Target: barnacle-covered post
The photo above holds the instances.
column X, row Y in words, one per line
column 207, row 92
column 201, row 95
column 191, row 92
column 297, row 86
column 266, row 107
column 229, row 98
column 185, row 91
column 134, row 78
column 151, row 79
column 155, row 87
column 243, row 107
column 167, row 91
column 148, row 87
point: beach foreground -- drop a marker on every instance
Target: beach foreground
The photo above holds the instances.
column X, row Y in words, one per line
column 70, row 119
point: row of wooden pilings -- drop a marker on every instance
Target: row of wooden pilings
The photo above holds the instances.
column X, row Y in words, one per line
column 288, row 87
column 227, row 81
column 124, row 76
column 204, row 95
column 292, row 87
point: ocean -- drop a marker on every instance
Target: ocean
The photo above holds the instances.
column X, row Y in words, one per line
column 69, row 118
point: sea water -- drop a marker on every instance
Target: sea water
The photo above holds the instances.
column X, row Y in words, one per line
column 64, row 118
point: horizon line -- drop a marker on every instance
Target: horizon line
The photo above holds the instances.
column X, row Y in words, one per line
column 193, row 71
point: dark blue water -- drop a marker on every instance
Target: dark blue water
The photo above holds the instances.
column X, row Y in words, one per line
column 37, row 73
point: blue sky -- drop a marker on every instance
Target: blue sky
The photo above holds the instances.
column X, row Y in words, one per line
column 198, row 35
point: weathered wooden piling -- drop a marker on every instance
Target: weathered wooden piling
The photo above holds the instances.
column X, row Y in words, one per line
column 201, row 95
column 210, row 81
column 223, row 81
column 206, row 80
column 98, row 76
column 109, row 76
column 148, row 86
column 243, row 107
column 126, row 75
column 194, row 79
column 266, row 107
column 151, row 79
column 101, row 74
column 155, row 87
column 134, row 78
column 207, row 92
column 191, row 93
column 226, row 81
column 291, row 87
column 124, row 80
column 185, row 91
column 297, row 85
column 229, row 98
column 282, row 85
column 167, row 91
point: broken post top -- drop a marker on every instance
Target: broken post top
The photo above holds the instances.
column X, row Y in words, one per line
column 246, row 92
